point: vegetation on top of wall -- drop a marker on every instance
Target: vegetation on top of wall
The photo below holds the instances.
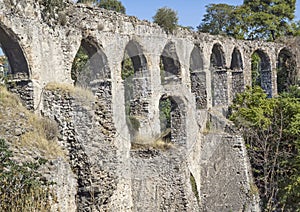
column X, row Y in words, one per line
column 271, row 129
column 53, row 10
column 166, row 18
column 113, row 5
column 81, row 93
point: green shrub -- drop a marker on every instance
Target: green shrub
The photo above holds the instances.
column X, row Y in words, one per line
column 22, row 187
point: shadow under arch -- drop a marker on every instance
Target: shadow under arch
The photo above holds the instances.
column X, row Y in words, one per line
column 219, row 81
column 19, row 68
column 169, row 65
column 90, row 66
column 286, row 70
column 198, row 78
column 261, row 73
column 15, row 73
column 172, row 115
column 237, row 68
column 137, row 91
column 91, row 71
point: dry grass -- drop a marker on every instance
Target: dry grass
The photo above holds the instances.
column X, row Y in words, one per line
column 162, row 145
column 8, row 99
column 36, row 133
column 78, row 92
column 35, row 141
column 158, row 144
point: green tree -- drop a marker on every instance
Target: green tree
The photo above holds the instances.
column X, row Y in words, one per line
column 217, row 19
column 255, row 19
column 80, row 64
column 166, row 18
column 255, row 69
column 296, row 28
column 114, row 5
column 271, row 131
column 270, row 19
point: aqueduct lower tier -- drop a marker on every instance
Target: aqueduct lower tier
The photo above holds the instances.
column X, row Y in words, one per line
column 195, row 72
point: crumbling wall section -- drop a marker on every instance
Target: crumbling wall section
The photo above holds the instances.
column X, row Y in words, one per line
column 24, row 89
column 198, row 88
column 160, row 181
column 220, row 88
column 226, row 178
column 87, row 132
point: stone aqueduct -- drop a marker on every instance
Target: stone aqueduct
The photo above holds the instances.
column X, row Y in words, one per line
column 202, row 71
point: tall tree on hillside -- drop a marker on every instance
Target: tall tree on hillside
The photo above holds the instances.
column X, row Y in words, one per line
column 271, row 129
column 217, row 19
column 255, row 19
column 166, row 18
column 270, row 19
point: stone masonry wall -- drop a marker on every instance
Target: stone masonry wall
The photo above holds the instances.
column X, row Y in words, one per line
column 226, row 174
column 24, row 89
column 87, row 132
column 198, row 88
column 220, row 88
column 160, row 181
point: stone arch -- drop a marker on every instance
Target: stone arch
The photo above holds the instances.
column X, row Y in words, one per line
column 135, row 52
column 172, row 119
column 237, row 68
column 286, row 70
column 19, row 68
column 137, row 90
column 217, row 57
column 219, row 79
column 169, row 64
column 198, row 78
column 16, row 72
column 93, row 67
column 261, row 72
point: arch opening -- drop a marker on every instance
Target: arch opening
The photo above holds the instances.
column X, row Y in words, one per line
column 169, row 65
column 198, row 78
column 261, row 73
column 137, row 90
column 172, row 115
column 18, row 68
column 219, row 79
column 90, row 66
column 286, row 70
column 237, row 68
column 14, row 69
